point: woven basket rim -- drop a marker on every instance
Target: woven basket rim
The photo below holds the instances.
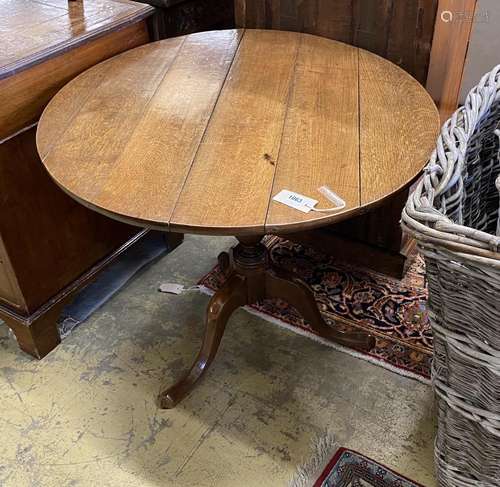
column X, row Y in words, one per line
column 420, row 217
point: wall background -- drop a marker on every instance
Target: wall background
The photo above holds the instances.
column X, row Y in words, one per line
column 484, row 47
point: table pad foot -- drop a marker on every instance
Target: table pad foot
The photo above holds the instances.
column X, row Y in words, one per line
column 250, row 278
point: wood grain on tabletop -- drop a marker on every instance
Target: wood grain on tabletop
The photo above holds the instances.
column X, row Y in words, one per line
column 171, row 129
column 398, row 127
column 101, row 124
column 232, row 176
column 203, row 137
column 324, row 101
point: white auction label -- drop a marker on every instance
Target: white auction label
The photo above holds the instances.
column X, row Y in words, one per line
column 295, row 200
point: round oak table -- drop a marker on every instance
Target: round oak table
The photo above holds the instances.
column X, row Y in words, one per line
column 196, row 134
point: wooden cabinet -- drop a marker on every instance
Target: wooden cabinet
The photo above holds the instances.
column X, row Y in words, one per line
column 50, row 245
column 178, row 17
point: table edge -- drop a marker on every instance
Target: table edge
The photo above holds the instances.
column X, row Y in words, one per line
column 263, row 229
column 279, row 229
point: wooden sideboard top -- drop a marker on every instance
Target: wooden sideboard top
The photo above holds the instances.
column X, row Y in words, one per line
column 32, row 31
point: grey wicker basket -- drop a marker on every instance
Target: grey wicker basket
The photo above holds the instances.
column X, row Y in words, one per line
column 454, row 216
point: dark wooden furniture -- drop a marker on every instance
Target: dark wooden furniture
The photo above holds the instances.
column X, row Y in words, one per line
column 178, row 17
column 49, row 245
column 253, row 112
column 399, row 31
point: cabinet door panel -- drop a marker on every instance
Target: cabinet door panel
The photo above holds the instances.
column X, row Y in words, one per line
column 50, row 239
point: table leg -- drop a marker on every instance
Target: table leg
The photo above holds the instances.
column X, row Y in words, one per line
column 252, row 278
column 287, row 286
column 227, row 299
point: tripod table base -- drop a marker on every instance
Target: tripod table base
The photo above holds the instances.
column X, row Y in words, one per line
column 251, row 278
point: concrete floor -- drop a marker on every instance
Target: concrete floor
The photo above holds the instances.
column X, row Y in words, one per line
column 86, row 414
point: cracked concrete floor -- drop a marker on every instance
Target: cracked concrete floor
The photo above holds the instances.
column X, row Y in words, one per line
column 86, row 414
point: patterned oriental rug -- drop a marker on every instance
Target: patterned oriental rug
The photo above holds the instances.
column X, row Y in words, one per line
column 392, row 310
column 332, row 466
column 348, row 468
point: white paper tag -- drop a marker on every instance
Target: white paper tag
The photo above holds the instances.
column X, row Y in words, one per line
column 171, row 288
column 295, row 200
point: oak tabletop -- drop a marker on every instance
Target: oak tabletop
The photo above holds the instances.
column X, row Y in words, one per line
column 197, row 133
column 32, row 31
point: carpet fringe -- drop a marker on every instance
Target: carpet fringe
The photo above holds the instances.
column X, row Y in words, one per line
column 323, row 448
column 324, row 341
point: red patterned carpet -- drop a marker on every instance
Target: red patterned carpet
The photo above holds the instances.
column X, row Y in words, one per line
column 391, row 310
column 348, row 468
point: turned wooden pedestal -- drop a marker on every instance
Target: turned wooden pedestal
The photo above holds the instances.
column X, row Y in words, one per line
column 250, row 278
